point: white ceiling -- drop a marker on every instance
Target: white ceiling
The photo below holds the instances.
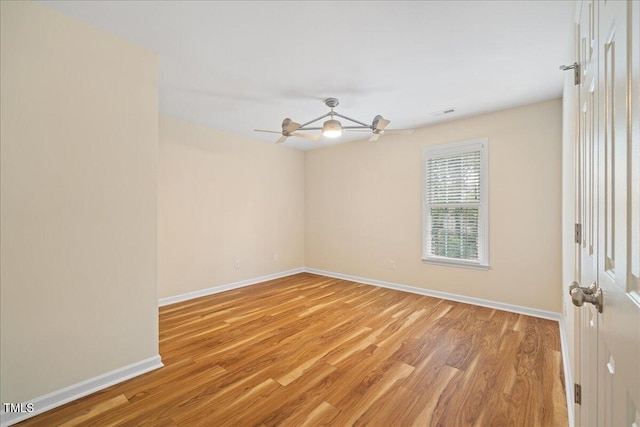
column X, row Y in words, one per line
column 240, row 65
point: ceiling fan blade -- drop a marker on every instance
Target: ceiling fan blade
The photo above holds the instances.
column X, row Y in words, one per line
column 269, row 131
column 282, row 139
column 374, row 137
column 382, row 123
column 306, row 135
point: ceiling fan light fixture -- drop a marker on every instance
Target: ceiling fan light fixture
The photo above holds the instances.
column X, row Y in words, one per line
column 332, row 129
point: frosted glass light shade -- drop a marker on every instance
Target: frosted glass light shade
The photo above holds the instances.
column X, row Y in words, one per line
column 332, row 129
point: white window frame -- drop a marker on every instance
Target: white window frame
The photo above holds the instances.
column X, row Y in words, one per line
column 444, row 150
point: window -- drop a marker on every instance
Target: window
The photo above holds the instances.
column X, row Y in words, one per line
column 455, row 207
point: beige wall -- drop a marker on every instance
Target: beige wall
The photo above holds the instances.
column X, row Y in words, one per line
column 363, row 208
column 223, row 197
column 78, row 167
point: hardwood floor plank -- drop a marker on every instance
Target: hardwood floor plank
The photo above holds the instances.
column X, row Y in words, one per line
column 322, row 415
column 283, row 402
column 297, row 372
column 97, row 410
column 359, row 372
column 498, row 415
column 430, row 399
column 352, row 409
column 311, row 350
column 222, row 408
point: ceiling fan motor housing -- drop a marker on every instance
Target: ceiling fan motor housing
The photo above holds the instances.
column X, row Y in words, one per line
column 285, row 126
column 374, row 125
column 331, row 102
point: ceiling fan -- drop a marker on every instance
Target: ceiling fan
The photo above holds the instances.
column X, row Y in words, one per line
column 332, row 128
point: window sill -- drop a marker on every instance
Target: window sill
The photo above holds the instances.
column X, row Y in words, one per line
column 456, row 263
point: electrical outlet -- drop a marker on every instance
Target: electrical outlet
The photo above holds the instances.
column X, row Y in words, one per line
column 276, row 258
column 236, row 264
column 392, row 264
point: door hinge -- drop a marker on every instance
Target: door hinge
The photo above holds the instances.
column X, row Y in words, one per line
column 578, row 233
column 577, row 393
column 576, row 71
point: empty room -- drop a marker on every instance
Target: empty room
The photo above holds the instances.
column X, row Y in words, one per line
column 310, row 213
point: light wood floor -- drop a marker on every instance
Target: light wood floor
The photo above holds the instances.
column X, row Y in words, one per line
column 310, row 350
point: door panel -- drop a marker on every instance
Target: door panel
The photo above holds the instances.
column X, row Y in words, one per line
column 619, row 324
column 608, row 201
column 587, row 209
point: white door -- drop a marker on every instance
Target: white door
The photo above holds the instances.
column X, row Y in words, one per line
column 610, row 341
column 586, row 209
column 619, row 324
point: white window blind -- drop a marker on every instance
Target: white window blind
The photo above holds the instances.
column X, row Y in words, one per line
column 454, row 204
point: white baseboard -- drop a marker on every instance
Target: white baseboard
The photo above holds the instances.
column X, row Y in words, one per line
column 551, row 315
column 60, row 397
column 568, row 376
column 544, row 314
column 227, row 287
